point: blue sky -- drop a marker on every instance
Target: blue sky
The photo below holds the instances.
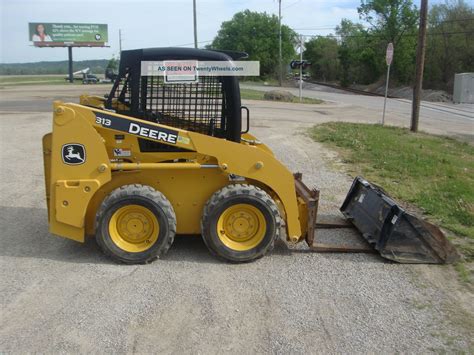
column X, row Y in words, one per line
column 152, row 23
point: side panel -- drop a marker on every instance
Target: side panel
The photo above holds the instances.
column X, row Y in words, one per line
column 79, row 166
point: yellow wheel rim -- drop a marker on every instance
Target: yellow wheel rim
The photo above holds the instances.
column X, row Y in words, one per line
column 241, row 227
column 134, row 228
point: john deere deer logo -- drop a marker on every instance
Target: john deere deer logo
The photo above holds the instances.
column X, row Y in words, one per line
column 74, row 154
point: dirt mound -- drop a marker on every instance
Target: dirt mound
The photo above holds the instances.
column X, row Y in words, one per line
column 405, row 92
column 279, row 95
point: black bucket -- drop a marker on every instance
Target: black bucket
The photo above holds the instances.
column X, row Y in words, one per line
column 396, row 234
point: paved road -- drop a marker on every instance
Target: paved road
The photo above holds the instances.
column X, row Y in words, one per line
column 438, row 118
column 60, row 296
column 39, row 98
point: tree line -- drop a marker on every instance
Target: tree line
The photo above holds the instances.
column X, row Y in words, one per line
column 60, row 67
column 355, row 53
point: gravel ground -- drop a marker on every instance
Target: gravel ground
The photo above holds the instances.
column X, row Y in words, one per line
column 60, row 296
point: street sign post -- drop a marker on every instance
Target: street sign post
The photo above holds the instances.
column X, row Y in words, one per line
column 302, row 48
column 389, row 59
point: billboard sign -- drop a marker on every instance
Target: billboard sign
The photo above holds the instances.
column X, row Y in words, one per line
column 45, row 34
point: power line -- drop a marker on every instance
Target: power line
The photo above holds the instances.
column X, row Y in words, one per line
column 314, row 28
column 457, row 20
column 192, row 43
column 297, row 1
column 381, row 36
column 334, row 27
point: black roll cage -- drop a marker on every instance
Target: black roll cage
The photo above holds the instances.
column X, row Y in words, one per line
column 130, row 77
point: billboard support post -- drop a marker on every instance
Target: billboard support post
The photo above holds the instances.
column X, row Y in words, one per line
column 69, row 51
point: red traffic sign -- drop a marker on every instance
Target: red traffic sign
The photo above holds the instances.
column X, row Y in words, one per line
column 389, row 54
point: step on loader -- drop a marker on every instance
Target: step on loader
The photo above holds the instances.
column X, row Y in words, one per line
column 156, row 158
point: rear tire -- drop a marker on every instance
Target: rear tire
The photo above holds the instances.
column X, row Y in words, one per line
column 135, row 224
column 240, row 223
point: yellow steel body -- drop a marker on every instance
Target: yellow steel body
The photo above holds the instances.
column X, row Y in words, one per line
column 74, row 193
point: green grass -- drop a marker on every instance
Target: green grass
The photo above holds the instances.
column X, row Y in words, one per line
column 463, row 272
column 259, row 81
column 31, row 80
column 433, row 173
column 250, row 94
column 15, row 80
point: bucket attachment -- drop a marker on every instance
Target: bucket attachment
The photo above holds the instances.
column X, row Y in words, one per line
column 396, row 234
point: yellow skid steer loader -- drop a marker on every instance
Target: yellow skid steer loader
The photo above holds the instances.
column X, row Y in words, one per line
column 156, row 158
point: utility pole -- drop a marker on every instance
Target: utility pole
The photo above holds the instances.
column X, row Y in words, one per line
column 420, row 65
column 195, row 25
column 280, row 60
column 120, row 42
column 301, row 67
column 69, row 52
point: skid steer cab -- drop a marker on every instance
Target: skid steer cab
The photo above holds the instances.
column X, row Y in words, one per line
column 158, row 157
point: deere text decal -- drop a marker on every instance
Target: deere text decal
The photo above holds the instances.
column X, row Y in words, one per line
column 136, row 128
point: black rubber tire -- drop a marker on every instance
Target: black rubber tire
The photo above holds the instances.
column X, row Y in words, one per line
column 235, row 194
column 147, row 197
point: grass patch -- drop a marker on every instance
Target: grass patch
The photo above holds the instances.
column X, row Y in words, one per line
column 250, row 94
column 434, row 173
column 15, row 80
column 259, row 81
column 463, row 272
column 31, row 80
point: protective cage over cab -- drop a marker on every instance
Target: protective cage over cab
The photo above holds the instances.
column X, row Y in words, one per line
column 210, row 106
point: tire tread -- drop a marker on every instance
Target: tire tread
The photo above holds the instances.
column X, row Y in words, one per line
column 235, row 190
column 149, row 193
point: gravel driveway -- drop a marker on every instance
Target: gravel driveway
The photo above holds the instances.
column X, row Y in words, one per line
column 60, row 296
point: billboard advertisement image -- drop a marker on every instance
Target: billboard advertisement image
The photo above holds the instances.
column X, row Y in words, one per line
column 44, row 34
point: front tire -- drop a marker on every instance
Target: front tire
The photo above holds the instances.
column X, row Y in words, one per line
column 135, row 224
column 240, row 223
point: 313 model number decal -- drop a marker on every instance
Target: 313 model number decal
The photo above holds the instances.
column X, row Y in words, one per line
column 103, row 121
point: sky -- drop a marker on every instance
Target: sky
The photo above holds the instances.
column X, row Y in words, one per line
column 153, row 23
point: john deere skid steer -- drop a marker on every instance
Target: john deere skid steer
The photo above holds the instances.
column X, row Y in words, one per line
column 157, row 158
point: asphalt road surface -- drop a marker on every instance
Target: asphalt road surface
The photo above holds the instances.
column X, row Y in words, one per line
column 437, row 118
column 61, row 296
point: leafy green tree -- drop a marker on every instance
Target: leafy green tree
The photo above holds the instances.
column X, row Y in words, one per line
column 322, row 52
column 450, row 48
column 393, row 21
column 113, row 64
column 257, row 34
column 390, row 19
column 357, row 54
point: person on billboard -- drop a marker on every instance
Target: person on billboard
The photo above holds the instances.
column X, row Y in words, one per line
column 41, row 35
